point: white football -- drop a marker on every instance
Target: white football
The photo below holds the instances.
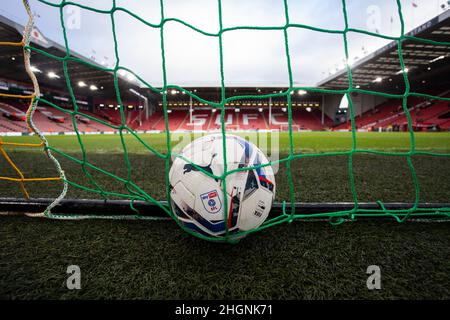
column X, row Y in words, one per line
column 198, row 200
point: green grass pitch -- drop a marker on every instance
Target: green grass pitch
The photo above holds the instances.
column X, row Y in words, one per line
column 303, row 141
column 302, row 260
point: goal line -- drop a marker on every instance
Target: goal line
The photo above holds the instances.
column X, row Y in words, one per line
column 84, row 208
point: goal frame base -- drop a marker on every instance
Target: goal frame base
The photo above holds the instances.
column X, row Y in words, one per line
column 86, row 207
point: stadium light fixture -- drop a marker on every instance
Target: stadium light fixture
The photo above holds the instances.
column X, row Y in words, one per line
column 173, row 92
column 81, row 84
column 35, row 70
column 102, row 105
column 260, row 109
column 138, row 94
column 283, row 109
column 437, row 59
column 406, row 71
column 358, row 86
column 92, row 87
column 111, row 106
column 308, row 109
column 13, row 58
column 52, row 75
column 378, row 79
column 302, row 92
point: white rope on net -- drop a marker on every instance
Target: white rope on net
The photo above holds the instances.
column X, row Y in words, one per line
column 32, row 109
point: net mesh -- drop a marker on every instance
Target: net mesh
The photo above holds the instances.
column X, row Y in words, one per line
column 288, row 215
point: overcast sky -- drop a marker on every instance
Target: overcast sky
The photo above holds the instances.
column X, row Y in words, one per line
column 250, row 57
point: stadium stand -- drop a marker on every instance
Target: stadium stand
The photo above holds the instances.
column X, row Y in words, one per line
column 47, row 119
column 385, row 116
column 390, row 114
column 310, row 111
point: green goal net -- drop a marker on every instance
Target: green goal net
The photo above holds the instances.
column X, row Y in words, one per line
column 136, row 193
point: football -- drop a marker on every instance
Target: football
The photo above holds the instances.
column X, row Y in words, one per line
column 197, row 193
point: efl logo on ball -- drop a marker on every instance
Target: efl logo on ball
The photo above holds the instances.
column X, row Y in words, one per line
column 211, row 201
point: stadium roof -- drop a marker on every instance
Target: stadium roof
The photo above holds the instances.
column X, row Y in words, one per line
column 424, row 61
column 13, row 68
